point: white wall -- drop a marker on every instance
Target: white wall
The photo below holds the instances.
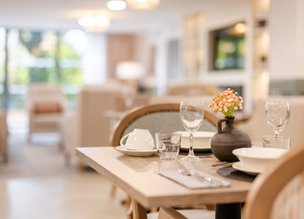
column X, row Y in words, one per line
column 300, row 39
column 286, row 45
column 94, row 59
column 159, row 41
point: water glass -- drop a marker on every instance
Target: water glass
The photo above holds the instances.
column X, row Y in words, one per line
column 273, row 141
column 168, row 145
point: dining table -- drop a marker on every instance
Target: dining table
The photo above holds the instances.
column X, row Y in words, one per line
column 139, row 177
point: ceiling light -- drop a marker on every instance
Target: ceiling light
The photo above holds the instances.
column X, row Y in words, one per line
column 116, row 5
column 94, row 23
column 143, row 4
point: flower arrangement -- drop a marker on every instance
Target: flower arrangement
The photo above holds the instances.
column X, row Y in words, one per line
column 226, row 102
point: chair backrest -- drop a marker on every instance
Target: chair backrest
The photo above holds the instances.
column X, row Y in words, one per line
column 163, row 117
column 41, row 95
column 44, row 91
column 279, row 192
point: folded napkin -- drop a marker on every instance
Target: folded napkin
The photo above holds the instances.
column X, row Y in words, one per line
column 197, row 180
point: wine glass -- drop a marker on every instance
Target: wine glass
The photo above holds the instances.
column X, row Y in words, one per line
column 192, row 115
column 277, row 115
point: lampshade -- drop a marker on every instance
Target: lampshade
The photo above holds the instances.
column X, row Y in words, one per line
column 142, row 4
column 94, row 23
column 129, row 70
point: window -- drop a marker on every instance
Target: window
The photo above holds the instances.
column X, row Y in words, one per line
column 42, row 57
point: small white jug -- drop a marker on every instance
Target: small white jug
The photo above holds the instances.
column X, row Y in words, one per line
column 138, row 139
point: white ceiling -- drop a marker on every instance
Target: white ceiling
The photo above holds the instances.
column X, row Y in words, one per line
column 63, row 14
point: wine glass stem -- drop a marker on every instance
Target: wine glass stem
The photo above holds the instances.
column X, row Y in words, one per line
column 191, row 152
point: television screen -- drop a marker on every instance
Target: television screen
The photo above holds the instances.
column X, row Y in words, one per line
column 228, row 47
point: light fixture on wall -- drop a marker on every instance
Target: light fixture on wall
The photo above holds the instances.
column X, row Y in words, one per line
column 143, row 4
column 116, row 5
column 94, row 22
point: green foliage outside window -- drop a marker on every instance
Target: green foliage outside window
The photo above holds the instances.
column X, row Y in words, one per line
column 45, row 58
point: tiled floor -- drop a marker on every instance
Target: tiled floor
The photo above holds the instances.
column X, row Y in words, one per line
column 36, row 184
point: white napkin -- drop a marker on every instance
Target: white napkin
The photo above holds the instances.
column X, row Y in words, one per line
column 196, row 181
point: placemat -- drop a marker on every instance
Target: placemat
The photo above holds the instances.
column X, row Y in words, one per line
column 198, row 180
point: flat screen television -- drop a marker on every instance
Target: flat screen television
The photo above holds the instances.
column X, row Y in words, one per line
column 227, row 47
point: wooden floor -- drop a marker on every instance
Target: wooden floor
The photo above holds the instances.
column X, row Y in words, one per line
column 37, row 184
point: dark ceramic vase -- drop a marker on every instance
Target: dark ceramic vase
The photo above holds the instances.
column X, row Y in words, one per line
column 227, row 139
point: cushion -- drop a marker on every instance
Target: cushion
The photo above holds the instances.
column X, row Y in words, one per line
column 47, row 107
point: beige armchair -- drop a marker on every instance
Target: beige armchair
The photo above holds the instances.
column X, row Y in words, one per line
column 256, row 126
column 46, row 106
column 90, row 125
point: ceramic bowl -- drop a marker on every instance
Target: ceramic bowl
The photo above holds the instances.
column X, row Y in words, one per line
column 201, row 139
column 258, row 158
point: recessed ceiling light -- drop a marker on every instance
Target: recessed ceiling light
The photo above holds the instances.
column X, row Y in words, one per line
column 116, row 5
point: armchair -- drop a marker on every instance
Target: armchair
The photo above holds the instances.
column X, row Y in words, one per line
column 46, row 106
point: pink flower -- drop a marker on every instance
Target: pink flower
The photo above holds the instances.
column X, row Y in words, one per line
column 226, row 102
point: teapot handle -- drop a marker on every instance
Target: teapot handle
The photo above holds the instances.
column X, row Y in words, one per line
column 219, row 125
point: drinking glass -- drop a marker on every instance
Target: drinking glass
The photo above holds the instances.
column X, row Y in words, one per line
column 192, row 115
column 168, row 145
column 277, row 115
column 271, row 141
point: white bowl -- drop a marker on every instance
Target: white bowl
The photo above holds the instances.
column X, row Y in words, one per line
column 258, row 158
column 201, row 139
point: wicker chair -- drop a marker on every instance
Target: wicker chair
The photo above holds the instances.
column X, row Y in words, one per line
column 279, row 192
column 162, row 117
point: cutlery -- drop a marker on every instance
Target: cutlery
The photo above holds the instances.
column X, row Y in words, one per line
column 201, row 176
column 206, row 178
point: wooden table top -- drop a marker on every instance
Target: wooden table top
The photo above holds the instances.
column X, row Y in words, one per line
column 138, row 177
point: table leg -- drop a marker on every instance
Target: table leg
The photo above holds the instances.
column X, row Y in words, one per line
column 228, row 211
column 139, row 212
